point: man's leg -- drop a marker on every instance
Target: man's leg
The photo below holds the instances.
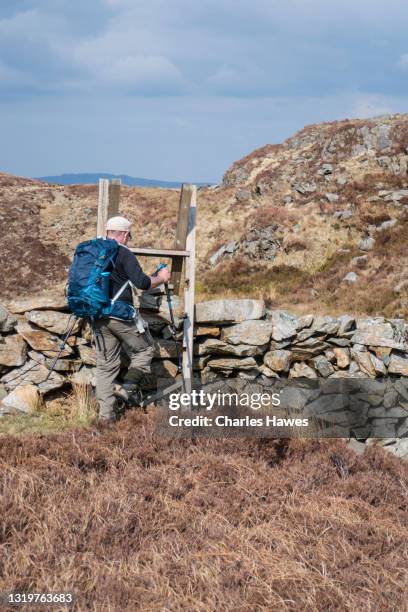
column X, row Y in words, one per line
column 107, row 369
column 140, row 349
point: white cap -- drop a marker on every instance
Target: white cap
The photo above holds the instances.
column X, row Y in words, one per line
column 119, row 224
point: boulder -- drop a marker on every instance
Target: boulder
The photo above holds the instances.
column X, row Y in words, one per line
column 37, row 302
column 25, row 398
column 248, row 363
column 243, row 195
column 33, row 373
column 255, row 332
column 52, row 320
column 7, row 321
column 308, row 349
column 265, row 371
column 378, row 365
column 284, row 325
column 13, row 351
column 41, row 340
column 278, row 361
column 229, row 311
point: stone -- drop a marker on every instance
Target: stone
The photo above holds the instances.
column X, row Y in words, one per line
column 165, row 349
column 87, row 354
column 243, row 195
column 3, row 392
column 13, row 351
column 256, row 332
column 52, row 320
column 351, row 277
column 366, row 244
column 213, row 346
column 164, row 369
column 341, row 180
column 343, row 214
column 276, row 346
column 25, row 398
column 301, row 370
column 343, row 342
column 399, row 448
column 41, row 340
column 199, row 363
column 37, row 302
column 278, row 361
column 342, row 357
column 326, row 169
column 265, row 371
column 371, row 339
column 7, row 321
column 215, row 257
column 330, row 356
column 304, row 334
column 305, row 187
column 229, row 311
column 378, row 365
column 332, row 197
column 232, row 364
column 325, row 325
column 309, row 349
column 61, row 365
column 359, row 261
column 363, row 360
column 204, row 330
column 356, row 446
column 398, row 365
column 155, row 322
column 382, row 352
column 347, row 323
column 33, row 373
column 376, row 325
column 283, row 325
column 303, row 322
column 85, row 376
column 323, row 366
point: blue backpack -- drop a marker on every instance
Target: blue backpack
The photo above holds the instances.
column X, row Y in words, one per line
column 88, row 281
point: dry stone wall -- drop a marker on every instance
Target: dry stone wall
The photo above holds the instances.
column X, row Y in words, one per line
column 233, row 338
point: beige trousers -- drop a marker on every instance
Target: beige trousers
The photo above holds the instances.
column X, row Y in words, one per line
column 112, row 335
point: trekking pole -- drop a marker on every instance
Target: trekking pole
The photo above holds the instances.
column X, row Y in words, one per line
column 62, row 346
column 172, row 320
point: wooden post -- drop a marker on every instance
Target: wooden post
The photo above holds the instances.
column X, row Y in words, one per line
column 103, row 208
column 181, row 236
column 188, row 329
column 114, row 198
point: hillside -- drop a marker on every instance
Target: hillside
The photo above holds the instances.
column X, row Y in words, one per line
column 156, row 524
column 318, row 222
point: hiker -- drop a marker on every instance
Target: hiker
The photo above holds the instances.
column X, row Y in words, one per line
column 113, row 332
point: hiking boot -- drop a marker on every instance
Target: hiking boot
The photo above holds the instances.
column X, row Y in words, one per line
column 134, row 393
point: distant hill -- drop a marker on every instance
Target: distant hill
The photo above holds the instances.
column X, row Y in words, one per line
column 92, row 178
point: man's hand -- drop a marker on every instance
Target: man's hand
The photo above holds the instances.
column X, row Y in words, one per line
column 163, row 276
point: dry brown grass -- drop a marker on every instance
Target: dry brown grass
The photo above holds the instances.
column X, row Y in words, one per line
column 132, row 521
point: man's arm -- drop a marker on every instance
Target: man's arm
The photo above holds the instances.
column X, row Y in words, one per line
column 136, row 275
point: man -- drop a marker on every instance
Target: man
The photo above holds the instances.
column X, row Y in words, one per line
column 114, row 332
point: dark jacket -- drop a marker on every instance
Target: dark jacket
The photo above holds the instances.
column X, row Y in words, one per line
column 127, row 268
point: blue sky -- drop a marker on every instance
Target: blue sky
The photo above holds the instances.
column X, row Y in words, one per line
column 177, row 89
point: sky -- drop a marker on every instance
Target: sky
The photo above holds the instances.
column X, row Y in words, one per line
column 177, row 89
